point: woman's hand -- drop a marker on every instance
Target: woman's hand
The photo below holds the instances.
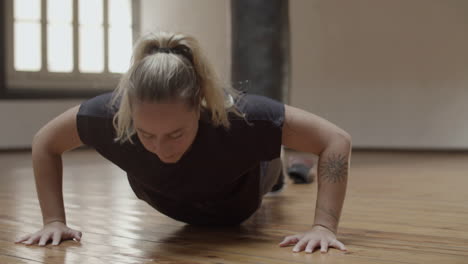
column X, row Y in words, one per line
column 308, row 241
column 55, row 231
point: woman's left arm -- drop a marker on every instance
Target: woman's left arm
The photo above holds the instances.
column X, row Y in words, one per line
column 303, row 131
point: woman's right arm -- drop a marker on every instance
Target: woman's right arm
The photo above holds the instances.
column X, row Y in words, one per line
column 52, row 140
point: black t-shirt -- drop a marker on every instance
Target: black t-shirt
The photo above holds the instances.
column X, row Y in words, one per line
column 216, row 182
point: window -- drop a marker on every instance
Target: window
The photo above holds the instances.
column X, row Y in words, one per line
column 68, row 45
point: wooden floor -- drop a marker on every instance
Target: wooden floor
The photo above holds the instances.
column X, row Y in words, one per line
column 400, row 208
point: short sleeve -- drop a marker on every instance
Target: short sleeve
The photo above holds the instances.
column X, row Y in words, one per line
column 266, row 118
column 94, row 121
column 95, row 128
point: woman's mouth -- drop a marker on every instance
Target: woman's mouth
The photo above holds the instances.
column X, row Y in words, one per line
column 171, row 157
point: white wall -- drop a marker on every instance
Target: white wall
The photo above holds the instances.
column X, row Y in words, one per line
column 392, row 73
column 207, row 20
column 21, row 119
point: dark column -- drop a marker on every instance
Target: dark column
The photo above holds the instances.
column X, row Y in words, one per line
column 2, row 49
column 260, row 47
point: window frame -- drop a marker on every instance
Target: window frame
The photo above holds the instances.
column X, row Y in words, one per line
column 54, row 85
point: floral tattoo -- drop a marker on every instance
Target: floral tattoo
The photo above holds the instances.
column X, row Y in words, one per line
column 335, row 168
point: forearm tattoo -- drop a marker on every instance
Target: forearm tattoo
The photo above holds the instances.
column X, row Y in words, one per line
column 334, row 168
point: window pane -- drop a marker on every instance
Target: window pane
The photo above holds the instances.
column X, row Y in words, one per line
column 27, row 43
column 120, row 48
column 59, row 47
column 27, row 9
column 90, row 12
column 120, row 12
column 59, row 11
column 91, row 49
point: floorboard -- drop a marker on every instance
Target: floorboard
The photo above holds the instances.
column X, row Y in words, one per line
column 401, row 207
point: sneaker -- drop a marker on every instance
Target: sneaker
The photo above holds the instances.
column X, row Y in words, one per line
column 299, row 169
column 299, row 173
column 279, row 185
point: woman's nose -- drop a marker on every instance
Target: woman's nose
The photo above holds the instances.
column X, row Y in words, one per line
column 161, row 148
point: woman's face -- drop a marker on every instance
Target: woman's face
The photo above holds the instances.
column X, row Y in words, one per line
column 166, row 129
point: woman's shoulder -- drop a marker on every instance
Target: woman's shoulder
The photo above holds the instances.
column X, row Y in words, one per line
column 258, row 107
column 98, row 106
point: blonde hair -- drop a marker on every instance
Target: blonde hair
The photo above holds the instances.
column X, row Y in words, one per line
column 167, row 67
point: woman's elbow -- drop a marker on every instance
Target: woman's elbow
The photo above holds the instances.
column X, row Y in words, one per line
column 343, row 138
column 39, row 142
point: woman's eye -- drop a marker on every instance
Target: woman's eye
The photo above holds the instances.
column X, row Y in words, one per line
column 146, row 135
column 176, row 136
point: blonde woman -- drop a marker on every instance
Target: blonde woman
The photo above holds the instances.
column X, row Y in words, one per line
column 194, row 149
